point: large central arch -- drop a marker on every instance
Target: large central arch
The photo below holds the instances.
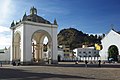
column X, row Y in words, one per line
column 37, row 40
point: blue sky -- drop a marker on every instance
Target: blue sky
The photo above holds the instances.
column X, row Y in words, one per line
column 89, row 16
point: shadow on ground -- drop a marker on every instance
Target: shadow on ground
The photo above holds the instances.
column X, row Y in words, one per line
column 81, row 65
column 16, row 74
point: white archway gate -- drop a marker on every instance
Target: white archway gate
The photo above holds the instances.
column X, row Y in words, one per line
column 112, row 38
column 33, row 29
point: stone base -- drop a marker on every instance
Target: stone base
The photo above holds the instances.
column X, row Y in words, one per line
column 41, row 62
column 26, row 63
column 54, row 62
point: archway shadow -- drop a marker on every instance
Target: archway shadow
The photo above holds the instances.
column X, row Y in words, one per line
column 16, row 74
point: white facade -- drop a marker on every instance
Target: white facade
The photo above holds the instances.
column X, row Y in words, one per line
column 5, row 56
column 60, row 53
column 112, row 38
column 88, row 53
column 26, row 30
column 28, row 37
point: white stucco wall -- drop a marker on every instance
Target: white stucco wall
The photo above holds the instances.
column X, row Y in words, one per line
column 27, row 29
column 18, row 29
column 89, row 51
column 5, row 56
column 112, row 38
column 61, row 53
column 30, row 28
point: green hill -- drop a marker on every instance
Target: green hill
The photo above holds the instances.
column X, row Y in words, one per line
column 75, row 38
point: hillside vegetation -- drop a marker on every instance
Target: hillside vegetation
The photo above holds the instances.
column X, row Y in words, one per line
column 75, row 38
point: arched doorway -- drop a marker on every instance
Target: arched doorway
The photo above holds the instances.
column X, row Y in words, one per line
column 41, row 46
column 59, row 58
column 17, row 51
column 113, row 53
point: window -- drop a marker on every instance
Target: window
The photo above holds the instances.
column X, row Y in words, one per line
column 67, row 50
column 89, row 55
column 79, row 52
column 89, row 52
column 80, row 56
column 84, row 56
column 84, row 52
column 66, row 54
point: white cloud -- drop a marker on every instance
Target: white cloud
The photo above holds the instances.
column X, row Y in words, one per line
column 5, row 37
column 5, row 7
column 4, row 29
column 6, row 11
column 4, row 41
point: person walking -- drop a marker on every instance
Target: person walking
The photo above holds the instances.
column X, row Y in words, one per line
column 99, row 63
column 1, row 63
column 86, row 63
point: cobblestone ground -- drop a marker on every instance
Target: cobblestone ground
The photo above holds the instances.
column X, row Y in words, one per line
column 63, row 71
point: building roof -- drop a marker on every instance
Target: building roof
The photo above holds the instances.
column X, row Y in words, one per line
column 1, row 50
column 116, row 31
column 34, row 18
column 111, row 31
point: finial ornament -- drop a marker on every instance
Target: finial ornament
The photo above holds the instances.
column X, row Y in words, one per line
column 12, row 24
column 25, row 14
column 55, row 22
column 24, row 17
column 5, row 48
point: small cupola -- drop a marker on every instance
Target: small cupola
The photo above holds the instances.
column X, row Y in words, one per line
column 33, row 11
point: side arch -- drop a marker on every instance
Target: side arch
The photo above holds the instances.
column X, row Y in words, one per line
column 113, row 52
column 17, row 46
column 44, row 32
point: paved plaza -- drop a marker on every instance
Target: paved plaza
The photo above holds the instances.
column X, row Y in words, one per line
column 63, row 71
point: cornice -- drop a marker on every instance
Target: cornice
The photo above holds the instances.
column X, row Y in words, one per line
column 34, row 24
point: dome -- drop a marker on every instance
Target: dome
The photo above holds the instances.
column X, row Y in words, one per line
column 34, row 17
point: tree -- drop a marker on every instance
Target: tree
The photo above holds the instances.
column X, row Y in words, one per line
column 113, row 52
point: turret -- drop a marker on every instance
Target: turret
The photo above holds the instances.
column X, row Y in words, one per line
column 12, row 24
column 24, row 17
column 55, row 22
